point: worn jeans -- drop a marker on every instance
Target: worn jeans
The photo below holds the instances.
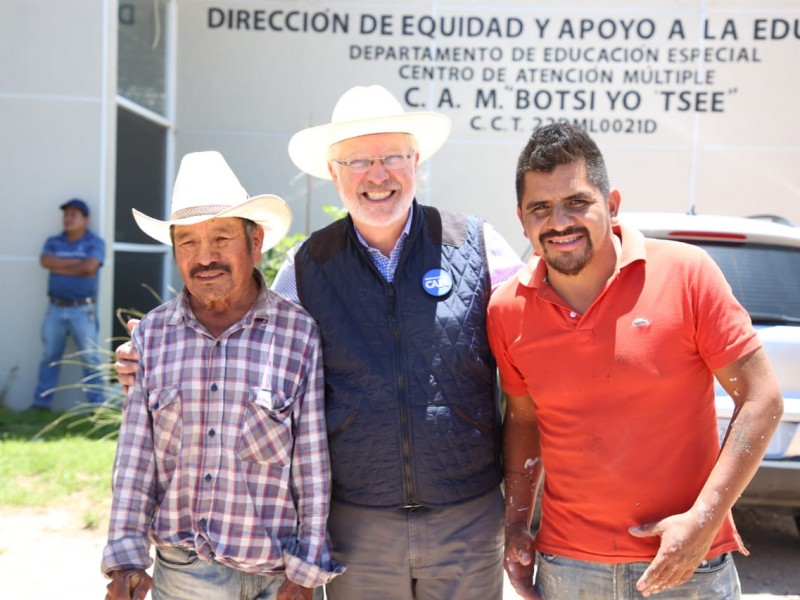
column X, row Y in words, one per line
column 61, row 322
column 566, row 578
column 180, row 575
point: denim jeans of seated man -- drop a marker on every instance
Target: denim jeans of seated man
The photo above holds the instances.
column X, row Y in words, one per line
column 179, row 574
column 559, row 578
column 61, row 323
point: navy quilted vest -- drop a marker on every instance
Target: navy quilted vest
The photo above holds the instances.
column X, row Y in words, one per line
column 411, row 399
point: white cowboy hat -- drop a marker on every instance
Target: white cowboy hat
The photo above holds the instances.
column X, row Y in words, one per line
column 206, row 188
column 364, row 111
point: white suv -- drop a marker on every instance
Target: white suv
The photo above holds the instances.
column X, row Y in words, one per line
column 760, row 257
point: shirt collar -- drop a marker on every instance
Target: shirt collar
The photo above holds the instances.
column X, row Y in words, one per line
column 534, row 273
column 86, row 234
column 403, row 234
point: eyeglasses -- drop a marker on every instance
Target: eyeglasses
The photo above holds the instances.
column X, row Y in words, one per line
column 362, row 165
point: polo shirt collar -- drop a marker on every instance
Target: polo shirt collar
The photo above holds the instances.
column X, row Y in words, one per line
column 534, row 273
column 633, row 245
column 86, row 235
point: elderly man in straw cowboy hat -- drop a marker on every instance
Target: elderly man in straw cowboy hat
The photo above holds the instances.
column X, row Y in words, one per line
column 399, row 291
column 222, row 460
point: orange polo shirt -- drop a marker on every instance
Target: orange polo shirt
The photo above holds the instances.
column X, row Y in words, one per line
column 624, row 394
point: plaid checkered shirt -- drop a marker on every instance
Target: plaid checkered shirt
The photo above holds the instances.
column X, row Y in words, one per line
column 223, row 448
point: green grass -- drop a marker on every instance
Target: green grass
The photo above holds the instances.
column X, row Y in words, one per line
column 48, row 459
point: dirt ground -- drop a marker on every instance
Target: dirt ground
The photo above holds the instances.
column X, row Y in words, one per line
column 49, row 555
column 773, row 568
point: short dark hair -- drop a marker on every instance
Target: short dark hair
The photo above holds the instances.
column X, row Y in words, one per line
column 561, row 144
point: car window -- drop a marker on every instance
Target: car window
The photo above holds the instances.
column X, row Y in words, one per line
column 765, row 279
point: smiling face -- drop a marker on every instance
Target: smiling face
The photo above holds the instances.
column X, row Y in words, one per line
column 379, row 197
column 216, row 260
column 565, row 217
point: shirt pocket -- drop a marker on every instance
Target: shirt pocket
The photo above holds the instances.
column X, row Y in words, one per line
column 267, row 435
column 164, row 405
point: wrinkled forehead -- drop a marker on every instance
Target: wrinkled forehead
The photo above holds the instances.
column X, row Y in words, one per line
column 216, row 225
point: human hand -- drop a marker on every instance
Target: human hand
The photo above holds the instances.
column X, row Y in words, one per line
column 519, row 560
column 685, row 540
column 290, row 590
column 127, row 360
column 130, row 584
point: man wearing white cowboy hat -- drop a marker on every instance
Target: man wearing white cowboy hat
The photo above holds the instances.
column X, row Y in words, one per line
column 222, row 458
column 399, row 292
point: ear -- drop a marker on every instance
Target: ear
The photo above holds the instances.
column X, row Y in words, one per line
column 614, row 200
column 258, row 240
column 521, row 222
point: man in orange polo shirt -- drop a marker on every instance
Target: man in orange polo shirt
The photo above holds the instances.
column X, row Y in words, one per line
column 608, row 345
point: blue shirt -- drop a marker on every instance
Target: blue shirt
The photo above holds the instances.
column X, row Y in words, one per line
column 74, row 287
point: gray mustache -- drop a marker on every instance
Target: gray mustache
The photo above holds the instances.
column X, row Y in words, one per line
column 215, row 266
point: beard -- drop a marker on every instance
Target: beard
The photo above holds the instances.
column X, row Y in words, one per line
column 567, row 264
column 379, row 213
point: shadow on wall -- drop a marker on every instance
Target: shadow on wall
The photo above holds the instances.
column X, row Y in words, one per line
column 6, row 387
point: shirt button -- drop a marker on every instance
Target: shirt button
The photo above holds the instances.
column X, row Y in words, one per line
column 214, row 387
column 208, row 477
column 202, row 523
column 211, row 433
column 573, row 314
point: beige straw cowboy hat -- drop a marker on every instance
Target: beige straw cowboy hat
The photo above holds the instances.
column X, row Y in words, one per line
column 206, row 188
column 364, row 111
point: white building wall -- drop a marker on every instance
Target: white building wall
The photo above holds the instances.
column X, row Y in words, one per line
column 56, row 132
column 708, row 124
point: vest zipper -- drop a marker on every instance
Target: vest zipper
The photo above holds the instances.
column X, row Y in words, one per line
column 411, row 495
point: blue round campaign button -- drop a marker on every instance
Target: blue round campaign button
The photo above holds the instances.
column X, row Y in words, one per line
column 437, row 283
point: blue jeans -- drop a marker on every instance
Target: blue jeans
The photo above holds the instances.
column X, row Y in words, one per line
column 558, row 577
column 61, row 322
column 179, row 574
